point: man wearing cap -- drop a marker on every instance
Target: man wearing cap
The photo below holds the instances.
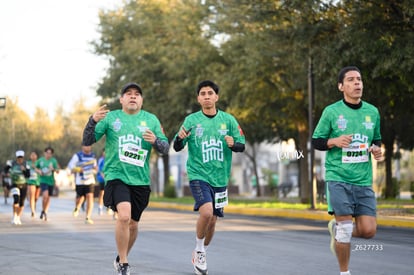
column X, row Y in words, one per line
column 131, row 133
column 19, row 173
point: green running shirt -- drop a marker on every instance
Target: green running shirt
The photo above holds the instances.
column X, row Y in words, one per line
column 209, row 157
column 47, row 166
column 127, row 154
column 353, row 164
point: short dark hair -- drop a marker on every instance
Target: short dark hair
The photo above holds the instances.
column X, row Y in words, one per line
column 49, row 148
column 344, row 70
column 208, row 83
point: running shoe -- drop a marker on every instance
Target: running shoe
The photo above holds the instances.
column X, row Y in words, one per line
column 100, row 212
column 33, row 214
column 75, row 212
column 116, row 264
column 18, row 221
column 200, row 263
column 124, row 269
column 332, row 231
column 88, row 221
column 14, row 220
column 43, row 216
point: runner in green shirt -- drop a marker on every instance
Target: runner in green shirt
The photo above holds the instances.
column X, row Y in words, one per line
column 131, row 133
column 47, row 166
column 33, row 182
column 19, row 173
column 349, row 130
column 212, row 136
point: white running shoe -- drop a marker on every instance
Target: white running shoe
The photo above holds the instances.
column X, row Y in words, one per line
column 200, row 262
column 332, row 232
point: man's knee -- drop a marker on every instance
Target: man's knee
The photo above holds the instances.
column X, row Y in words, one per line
column 367, row 232
column 344, row 231
column 206, row 211
column 16, row 195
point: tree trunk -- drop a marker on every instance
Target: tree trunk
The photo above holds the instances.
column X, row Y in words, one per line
column 304, row 187
column 389, row 148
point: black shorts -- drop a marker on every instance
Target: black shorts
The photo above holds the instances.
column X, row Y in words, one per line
column 117, row 191
column 82, row 190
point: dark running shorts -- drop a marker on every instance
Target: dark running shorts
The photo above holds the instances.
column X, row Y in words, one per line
column 82, row 190
column 204, row 193
column 117, row 191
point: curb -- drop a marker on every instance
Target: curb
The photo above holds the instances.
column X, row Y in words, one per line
column 397, row 221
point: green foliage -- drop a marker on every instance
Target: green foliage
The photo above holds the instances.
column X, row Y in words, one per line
column 169, row 191
column 63, row 132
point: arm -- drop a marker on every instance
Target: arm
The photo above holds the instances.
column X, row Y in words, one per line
column 88, row 137
column 324, row 144
column 178, row 144
column 26, row 172
column 238, row 147
column 157, row 138
column 179, row 138
column 161, row 146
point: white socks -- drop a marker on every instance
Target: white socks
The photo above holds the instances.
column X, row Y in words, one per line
column 200, row 245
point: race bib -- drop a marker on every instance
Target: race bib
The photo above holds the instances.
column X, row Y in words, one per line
column 221, row 199
column 33, row 175
column 355, row 153
column 132, row 154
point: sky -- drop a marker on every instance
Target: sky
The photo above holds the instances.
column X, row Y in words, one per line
column 46, row 58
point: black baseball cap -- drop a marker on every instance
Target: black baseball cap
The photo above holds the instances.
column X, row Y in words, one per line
column 131, row 85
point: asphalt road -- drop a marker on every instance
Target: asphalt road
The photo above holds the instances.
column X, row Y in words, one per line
column 242, row 245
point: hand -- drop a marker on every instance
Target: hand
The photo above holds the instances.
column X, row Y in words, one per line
column 376, row 151
column 100, row 114
column 183, row 133
column 229, row 140
column 342, row 141
column 149, row 136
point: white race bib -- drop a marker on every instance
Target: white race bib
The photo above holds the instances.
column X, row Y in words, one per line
column 355, row 153
column 132, row 154
column 221, row 199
